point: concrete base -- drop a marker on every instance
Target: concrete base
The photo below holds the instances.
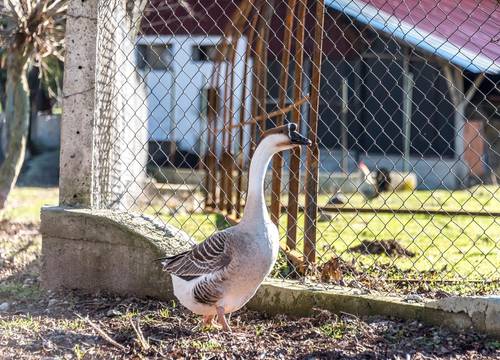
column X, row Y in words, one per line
column 480, row 314
column 107, row 251
column 482, row 311
column 115, row 252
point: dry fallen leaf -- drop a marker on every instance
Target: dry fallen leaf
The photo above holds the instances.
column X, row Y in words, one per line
column 331, row 271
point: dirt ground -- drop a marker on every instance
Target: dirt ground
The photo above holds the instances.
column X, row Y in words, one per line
column 35, row 324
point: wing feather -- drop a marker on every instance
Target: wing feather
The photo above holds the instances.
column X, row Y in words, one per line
column 211, row 255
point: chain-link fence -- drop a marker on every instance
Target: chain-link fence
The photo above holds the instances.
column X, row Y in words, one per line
column 401, row 99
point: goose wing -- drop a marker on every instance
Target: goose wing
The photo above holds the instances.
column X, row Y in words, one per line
column 210, row 256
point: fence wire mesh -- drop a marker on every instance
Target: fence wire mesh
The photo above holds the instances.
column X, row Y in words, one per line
column 401, row 99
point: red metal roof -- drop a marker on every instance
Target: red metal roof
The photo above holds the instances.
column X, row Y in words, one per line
column 466, row 32
column 209, row 17
column 187, row 17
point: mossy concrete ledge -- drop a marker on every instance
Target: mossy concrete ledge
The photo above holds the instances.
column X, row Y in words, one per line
column 481, row 314
column 104, row 250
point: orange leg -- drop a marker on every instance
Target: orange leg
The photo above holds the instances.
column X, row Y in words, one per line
column 208, row 320
column 222, row 319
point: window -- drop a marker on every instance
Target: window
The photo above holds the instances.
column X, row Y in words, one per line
column 204, row 53
column 154, row 57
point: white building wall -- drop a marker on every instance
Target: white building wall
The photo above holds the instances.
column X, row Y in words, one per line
column 179, row 91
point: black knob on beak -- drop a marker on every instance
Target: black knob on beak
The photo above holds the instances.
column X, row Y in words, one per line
column 296, row 137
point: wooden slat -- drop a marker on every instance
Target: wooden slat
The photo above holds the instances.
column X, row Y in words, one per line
column 210, row 160
column 212, row 115
column 276, row 113
column 225, row 130
column 237, row 20
column 230, row 183
column 312, row 169
column 267, row 13
column 296, row 118
column 260, row 71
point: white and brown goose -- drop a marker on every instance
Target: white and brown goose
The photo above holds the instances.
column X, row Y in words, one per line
column 219, row 275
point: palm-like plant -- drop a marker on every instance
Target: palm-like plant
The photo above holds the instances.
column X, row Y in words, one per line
column 31, row 34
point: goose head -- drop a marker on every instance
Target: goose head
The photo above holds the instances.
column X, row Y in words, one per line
column 283, row 138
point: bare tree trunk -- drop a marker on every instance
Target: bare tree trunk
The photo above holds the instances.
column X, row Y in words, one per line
column 17, row 114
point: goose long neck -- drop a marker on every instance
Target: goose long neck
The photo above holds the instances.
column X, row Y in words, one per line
column 255, row 207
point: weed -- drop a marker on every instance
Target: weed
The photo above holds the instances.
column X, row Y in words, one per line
column 73, row 325
column 164, row 313
column 336, row 330
column 130, row 314
column 259, row 330
column 79, row 353
column 208, row 345
column 20, row 322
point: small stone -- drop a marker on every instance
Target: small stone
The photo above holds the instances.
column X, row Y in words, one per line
column 52, row 302
column 113, row 313
column 338, row 199
column 47, row 344
column 4, row 307
column 325, row 217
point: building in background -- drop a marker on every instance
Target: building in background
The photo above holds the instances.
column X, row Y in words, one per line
column 388, row 89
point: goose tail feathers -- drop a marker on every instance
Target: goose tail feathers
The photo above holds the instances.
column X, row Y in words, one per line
column 167, row 261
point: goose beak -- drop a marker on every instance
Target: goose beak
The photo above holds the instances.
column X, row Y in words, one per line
column 297, row 139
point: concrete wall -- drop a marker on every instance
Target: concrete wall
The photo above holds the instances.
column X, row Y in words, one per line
column 109, row 251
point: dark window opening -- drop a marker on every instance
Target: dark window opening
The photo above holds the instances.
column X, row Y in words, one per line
column 154, row 57
column 204, row 53
column 209, row 102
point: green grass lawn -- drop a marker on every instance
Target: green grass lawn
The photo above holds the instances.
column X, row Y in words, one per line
column 24, row 203
column 445, row 247
column 462, row 247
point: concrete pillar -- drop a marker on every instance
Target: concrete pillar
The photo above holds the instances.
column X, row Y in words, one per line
column 77, row 127
column 104, row 130
column 103, row 163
